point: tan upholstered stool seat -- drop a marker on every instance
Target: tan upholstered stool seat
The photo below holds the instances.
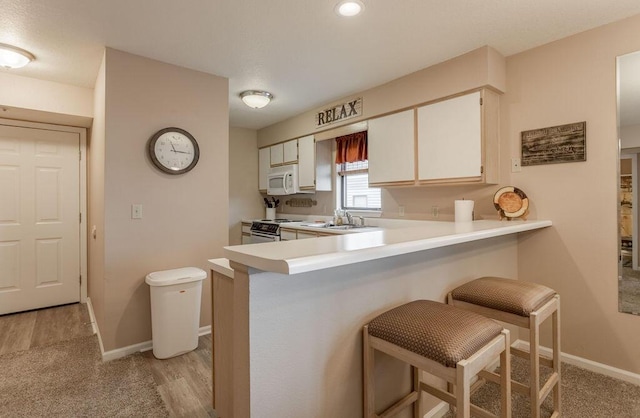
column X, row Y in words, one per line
column 434, row 330
column 439, row 340
column 526, row 305
column 507, row 295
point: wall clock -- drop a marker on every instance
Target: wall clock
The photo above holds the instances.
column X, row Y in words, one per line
column 174, row 150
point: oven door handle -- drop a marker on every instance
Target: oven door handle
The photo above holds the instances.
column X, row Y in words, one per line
column 258, row 234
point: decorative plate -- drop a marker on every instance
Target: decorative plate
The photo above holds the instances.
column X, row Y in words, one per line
column 511, row 202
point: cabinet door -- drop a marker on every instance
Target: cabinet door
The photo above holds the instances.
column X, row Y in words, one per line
column 277, row 154
column 290, row 152
column 450, row 139
column 287, row 234
column 303, row 235
column 307, row 162
column 264, row 163
column 391, row 143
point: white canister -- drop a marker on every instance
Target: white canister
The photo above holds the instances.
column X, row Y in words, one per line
column 464, row 210
column 271, row 213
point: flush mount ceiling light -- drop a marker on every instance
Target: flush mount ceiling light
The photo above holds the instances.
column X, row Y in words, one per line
column 255, row 98
column 12, row 57
column 349, row 8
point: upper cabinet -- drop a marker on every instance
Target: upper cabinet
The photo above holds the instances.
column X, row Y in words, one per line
column 449, row 139
column 391, row 148
column 290, row 152
column 313, row 159
column 452, row 141
column 314, row 163
column 264, row 163
column 284, row 153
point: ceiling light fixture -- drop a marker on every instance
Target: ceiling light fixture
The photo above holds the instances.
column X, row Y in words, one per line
column 349, row 8
column 256, row 99
column 13, row 57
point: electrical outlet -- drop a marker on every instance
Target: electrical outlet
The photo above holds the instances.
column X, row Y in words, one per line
column 136, row 211
column 515, row 165
column 435, row 211
column 400, row 210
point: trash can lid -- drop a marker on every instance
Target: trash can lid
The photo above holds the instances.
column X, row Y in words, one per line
column 175, row 276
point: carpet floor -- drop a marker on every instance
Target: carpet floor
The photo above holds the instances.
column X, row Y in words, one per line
column 69, row 379
column 584, row 394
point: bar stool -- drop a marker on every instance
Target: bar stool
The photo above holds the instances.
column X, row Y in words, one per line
column 526, row 305
column 447, row 342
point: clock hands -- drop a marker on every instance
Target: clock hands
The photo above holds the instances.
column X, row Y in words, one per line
column 173, row 148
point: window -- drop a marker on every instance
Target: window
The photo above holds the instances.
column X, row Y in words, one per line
column 354, row 186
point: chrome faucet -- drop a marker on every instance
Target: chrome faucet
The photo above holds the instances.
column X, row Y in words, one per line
column 349, row 217
column 361, row 220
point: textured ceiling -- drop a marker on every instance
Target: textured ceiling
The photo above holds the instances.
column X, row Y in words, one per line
column 299, row 50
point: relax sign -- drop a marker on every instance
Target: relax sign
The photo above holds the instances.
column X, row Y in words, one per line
column 339, row 113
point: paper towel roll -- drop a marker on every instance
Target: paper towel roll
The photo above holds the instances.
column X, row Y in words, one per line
column 464, row 210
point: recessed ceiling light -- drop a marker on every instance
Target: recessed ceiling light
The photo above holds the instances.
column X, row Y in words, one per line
column 13, row 57
column 256, row 99
column 349, row 8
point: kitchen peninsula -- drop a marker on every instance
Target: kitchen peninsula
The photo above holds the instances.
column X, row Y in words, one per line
column 288, row 315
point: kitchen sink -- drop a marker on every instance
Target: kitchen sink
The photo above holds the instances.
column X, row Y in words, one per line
column 348, row 226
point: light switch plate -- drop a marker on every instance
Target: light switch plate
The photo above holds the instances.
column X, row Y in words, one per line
column 136, row 211
column 515, row 165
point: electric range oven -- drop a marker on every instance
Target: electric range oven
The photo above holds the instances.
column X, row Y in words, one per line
column 266, row 230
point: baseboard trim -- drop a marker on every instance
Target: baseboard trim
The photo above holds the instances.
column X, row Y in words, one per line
column 94, row 324
column 141, row 347
column 590, row 365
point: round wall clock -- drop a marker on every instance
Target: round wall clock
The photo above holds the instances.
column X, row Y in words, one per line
column 174, row 150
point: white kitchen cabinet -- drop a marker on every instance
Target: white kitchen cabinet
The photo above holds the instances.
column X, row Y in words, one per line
column 284, row 153
column 277, row 154
column 458, row 140
column 290, row 151
column 391, row 144
column 264, row 163
column 246, row 233
column 288, row 234
column 305, row 234
column 314, row 164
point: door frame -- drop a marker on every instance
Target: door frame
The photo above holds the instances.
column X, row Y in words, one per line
column 82, row 132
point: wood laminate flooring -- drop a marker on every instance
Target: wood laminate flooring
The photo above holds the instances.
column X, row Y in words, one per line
column 184, row 382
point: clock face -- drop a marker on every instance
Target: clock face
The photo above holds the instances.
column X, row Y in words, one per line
column 174, row 150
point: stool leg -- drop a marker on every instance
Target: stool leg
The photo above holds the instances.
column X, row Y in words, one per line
column 557, row 404
column 417, row 405
column 505, row 377
column 463, row 392
column 368, row 386
column 534, row 371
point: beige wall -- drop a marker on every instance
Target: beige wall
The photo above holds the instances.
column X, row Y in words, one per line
column 245, row 202
column 630, row 136
column 36, row 100
column 95, row 199
column 574, row 80
column 185, row 218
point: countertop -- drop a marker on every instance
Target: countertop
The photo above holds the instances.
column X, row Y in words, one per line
column 300, row 256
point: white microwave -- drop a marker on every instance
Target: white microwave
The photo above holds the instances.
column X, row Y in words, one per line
column 283, row 180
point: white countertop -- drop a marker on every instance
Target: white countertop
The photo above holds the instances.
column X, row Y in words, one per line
column 300, row 256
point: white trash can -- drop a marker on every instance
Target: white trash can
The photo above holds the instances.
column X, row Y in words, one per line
column 175, row 310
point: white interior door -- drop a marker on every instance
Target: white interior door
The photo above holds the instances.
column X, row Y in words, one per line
column 39, row 218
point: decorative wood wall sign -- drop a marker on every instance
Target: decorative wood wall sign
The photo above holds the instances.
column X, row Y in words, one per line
column 339, row 113
column 556, row 144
